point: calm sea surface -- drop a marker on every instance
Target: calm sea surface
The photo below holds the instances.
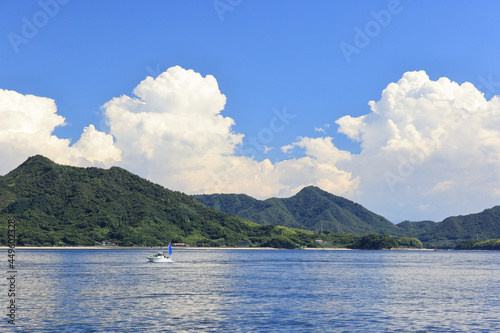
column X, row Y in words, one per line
column 256, row 291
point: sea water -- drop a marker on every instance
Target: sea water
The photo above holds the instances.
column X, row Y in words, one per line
column 77, row 290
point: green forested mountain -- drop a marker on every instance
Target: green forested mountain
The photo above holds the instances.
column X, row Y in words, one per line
column 455, row 229
column 62, row 205
column 482, row 226
column 415, row 229
column 310, row 209
column 313, row 206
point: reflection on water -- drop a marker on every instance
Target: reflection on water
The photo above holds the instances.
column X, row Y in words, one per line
column 261, row 290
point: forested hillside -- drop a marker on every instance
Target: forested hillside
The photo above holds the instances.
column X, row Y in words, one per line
column 62, row 205
column 480, row 226
column 312, row 209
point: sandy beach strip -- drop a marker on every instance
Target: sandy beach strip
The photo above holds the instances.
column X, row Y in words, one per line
column 159, row 248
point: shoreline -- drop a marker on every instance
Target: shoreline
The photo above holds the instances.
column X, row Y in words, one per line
column 157, row 248
column 160, row 248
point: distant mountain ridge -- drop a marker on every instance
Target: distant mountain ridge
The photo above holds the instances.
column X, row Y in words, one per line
column 62, row 205
column 482, row 226
column 311, row 209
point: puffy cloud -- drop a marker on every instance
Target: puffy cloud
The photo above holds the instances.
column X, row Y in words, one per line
column 26, row 129
column 318, row 167
column 173, row 132
column 434, row 145
column 429, row 149
column 97, row 147
column 322, row 149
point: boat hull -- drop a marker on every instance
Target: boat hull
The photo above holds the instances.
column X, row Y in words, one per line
column 160, row 259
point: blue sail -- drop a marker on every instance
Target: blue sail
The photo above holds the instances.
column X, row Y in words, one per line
column 170, row 249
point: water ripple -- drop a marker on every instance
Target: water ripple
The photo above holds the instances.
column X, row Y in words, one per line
column 258, row 291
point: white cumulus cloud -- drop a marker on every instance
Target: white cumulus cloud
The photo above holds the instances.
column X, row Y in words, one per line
column 172, row 131
column 26, row 127
column 429, row 149
column 432, row 144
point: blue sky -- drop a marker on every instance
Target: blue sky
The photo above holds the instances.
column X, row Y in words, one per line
column 265, row 56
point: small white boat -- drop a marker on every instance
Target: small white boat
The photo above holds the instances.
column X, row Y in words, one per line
column 162, row 256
